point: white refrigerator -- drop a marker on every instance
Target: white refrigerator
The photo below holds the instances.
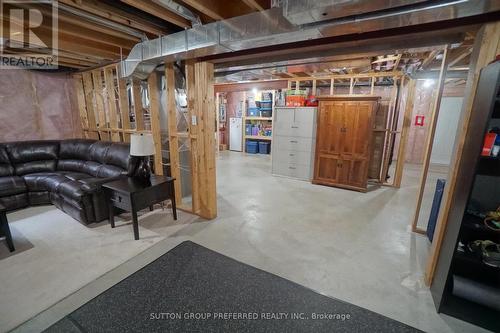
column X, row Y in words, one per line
column 235, row 134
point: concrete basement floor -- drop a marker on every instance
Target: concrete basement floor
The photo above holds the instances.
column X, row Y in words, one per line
column 351, row 246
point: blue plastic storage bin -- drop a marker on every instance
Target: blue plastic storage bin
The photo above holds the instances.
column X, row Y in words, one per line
column 252, row 147
column 253, row 112
column 264, row 147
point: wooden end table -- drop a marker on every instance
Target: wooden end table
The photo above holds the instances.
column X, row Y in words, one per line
column 133, row 196
column 4, row 228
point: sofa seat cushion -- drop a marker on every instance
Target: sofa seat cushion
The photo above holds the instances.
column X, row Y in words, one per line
column 75, row 175
column 11, row 185
column 44, row 181
column 71, row 189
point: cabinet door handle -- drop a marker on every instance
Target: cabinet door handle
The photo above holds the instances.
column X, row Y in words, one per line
column 293, row 168
column 293, row 141
column 292, row 154
column 295, row 126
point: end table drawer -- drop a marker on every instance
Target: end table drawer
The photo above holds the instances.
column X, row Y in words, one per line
column 120, row 200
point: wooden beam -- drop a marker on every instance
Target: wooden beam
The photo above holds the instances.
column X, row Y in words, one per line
column 405, row 131
column 154, row 111
column 109, row 81
column 486, row 47
column 427, row 61
column 159, row 11
column 173, row 140
column 458, row 56
column 216, row 9
column 396, row 63
column 123, row 105
column 430, row 140
column 117, row 15
column 255, row 5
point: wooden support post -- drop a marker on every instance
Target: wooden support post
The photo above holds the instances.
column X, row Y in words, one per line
column 89, row 103
column 99, row 102
column 297, row 86
column 173, row 140
column 313, row 92
column 486, row 47
column 332, row 85
column 154, row 104
column 123, row 105
column 405, row 131
column 193, row 135
column 351, row 86
column 205, row 111
column 372, row 89
column 109, row 81
column 138, row 110
column 430, row 140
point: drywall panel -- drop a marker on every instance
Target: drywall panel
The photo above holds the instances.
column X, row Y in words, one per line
column 446, row 130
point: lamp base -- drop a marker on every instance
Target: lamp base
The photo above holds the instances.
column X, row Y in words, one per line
column 143, row 172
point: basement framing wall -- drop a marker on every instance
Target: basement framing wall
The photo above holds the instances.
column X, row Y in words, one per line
column 111, row 109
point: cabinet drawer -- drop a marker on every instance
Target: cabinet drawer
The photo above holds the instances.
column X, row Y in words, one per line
column 294, row 157
column 120, row 200
column 293, row 143
column 296, row 129
column 292, row 170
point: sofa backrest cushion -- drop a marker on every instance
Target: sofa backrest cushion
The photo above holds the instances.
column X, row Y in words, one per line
column 75, row 149
column 33, row 156
column 6, row 168
column 96, row 158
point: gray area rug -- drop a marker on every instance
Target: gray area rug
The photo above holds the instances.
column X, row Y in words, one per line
column 194, row 289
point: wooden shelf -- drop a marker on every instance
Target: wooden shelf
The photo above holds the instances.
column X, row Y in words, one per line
column 258, row 137
column 259, row 118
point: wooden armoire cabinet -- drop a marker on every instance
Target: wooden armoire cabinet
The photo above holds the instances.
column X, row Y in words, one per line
column 343, row 141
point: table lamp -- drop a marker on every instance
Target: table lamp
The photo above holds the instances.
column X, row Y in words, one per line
column 142, row 146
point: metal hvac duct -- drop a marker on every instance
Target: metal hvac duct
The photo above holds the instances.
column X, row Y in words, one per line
column 296, row 20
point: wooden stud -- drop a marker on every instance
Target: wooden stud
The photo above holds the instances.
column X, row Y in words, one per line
column 389, row 129
column 123, row 105
column 332, row 85
column 89, row 103
column 430, row 140
column 154, row 111
column 173, row 140
column 138, row 109
column 80, row 96
column 486, row 47
column 405, row 131
column 372, row 88
column 193, row 131
column 99, row 102
column 351, row 86
column 109, row 80
column 313, row 90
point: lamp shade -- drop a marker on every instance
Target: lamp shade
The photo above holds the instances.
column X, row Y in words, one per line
column 142, row 144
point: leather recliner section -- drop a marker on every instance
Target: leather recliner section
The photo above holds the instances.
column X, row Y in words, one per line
column 67, row 173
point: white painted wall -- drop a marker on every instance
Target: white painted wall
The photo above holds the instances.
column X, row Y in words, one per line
column 446, row 130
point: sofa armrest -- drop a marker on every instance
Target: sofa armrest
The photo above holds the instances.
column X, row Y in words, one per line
column 96, row 186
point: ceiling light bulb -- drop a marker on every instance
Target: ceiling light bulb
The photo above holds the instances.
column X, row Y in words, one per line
column 428, row 83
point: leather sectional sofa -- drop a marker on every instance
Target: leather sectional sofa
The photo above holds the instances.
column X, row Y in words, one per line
column 67, row 173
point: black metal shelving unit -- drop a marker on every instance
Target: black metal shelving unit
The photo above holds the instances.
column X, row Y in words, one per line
column 478, row 186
